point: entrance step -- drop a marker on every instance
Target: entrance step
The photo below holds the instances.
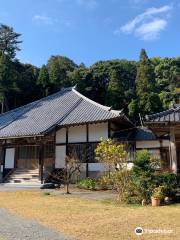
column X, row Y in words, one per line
column 23, row 176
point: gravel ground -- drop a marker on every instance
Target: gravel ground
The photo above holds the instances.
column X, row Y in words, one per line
column 16, row 228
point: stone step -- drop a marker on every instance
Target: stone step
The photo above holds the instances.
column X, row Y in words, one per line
column 22, row 181
column 22, row 176
column 27, row 172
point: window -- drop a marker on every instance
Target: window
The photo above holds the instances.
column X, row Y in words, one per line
column 84, row 152
column 49, row 150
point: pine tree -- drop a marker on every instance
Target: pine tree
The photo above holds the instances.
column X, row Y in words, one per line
column 43, row 80
column 145, row 85
column 9, row 41
column 114, row 91
column 6, row 79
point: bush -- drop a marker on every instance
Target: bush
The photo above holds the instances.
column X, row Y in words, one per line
column 131, row 194
column 106, row 182
column 87, row 183
column 143, row 173
column 158, row 193
column 169, row 181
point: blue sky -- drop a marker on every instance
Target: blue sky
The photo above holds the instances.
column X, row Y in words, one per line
column 91, row 30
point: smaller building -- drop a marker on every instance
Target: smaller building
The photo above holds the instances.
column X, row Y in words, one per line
column 139, row 138
column 167, row 125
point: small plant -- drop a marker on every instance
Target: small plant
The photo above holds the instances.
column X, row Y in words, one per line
column 106, row 182
column 158, row 193
column 87, row 183
column 46, row 193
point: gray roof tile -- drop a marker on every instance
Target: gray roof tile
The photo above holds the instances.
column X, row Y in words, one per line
column 66, row 107
column 172, row 115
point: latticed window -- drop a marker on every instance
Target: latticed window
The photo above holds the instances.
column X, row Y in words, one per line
column 84, row 152
column 49, row 149
column 28, row 152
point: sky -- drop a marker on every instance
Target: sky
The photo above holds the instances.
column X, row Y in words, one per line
column 87, row 31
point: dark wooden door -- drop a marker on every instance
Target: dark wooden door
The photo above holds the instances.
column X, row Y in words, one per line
column 28, row 157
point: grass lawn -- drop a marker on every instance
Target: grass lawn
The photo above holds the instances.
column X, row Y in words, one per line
column 90, row 219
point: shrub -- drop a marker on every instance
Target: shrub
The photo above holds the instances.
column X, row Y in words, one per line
column 106, row 182
column 46, row 193
column 87, row 183
column 143, row 172
column 158, row 193
column 169, row 181
column 131, row 194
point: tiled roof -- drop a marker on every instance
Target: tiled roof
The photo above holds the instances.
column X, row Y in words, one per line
column 66, row 107
column 135, row 134
column 172, row 115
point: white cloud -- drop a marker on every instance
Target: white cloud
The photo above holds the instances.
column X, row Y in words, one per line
column 87, row 3
column 149, row 24
column 43, row 19
column 151, row 30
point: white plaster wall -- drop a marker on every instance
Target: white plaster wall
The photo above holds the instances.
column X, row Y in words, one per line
column 147, row 144
column 165, row 143
column 97, row 131
column 96, row 167
column 77, row 134
column 9, row 158
column 60, row 156
column 61, row 136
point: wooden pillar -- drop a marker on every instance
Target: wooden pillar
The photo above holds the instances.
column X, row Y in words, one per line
column 87, row 140
column 67, row 140
column 173, row 150
column 41, row 162
column 109, row 129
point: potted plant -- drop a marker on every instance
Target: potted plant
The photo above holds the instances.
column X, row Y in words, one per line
column 157, row 196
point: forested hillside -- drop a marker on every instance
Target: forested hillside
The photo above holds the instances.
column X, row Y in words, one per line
column 139, row 87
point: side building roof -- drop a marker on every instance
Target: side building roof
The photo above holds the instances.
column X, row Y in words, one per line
column 170, row 116
column 135, row 134
column 66, row 107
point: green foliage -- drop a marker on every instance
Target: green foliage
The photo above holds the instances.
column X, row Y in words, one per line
column 149, row 101
column 9, row 41
column 106, row 182
column 111, row 154
column 169, row 181
column 143, row 172
column 58, row 68
column 158, row 193
column 145, row 87
column 46, row 193
column 43, row 80
column 87, row 183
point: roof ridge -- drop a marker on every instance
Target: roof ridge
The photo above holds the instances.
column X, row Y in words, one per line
column 160, row 113
column 106, row 108
column 38, row 100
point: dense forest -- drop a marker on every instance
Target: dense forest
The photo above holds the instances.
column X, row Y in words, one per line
column 138, row 87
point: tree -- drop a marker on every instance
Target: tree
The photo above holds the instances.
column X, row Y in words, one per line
column 111, row 154
column 82, row 78
column 73, row 166
column 9, row 41
column 43, row 80
column 58, row 68
column 145, row 85
column 6, row 76
column 143, row 173
column 115, row 95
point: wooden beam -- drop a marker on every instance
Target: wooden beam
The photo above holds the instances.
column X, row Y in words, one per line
column 109, row 129
column 67, row 139
column 87, row 140
column 41, row 162
column 173, row 150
